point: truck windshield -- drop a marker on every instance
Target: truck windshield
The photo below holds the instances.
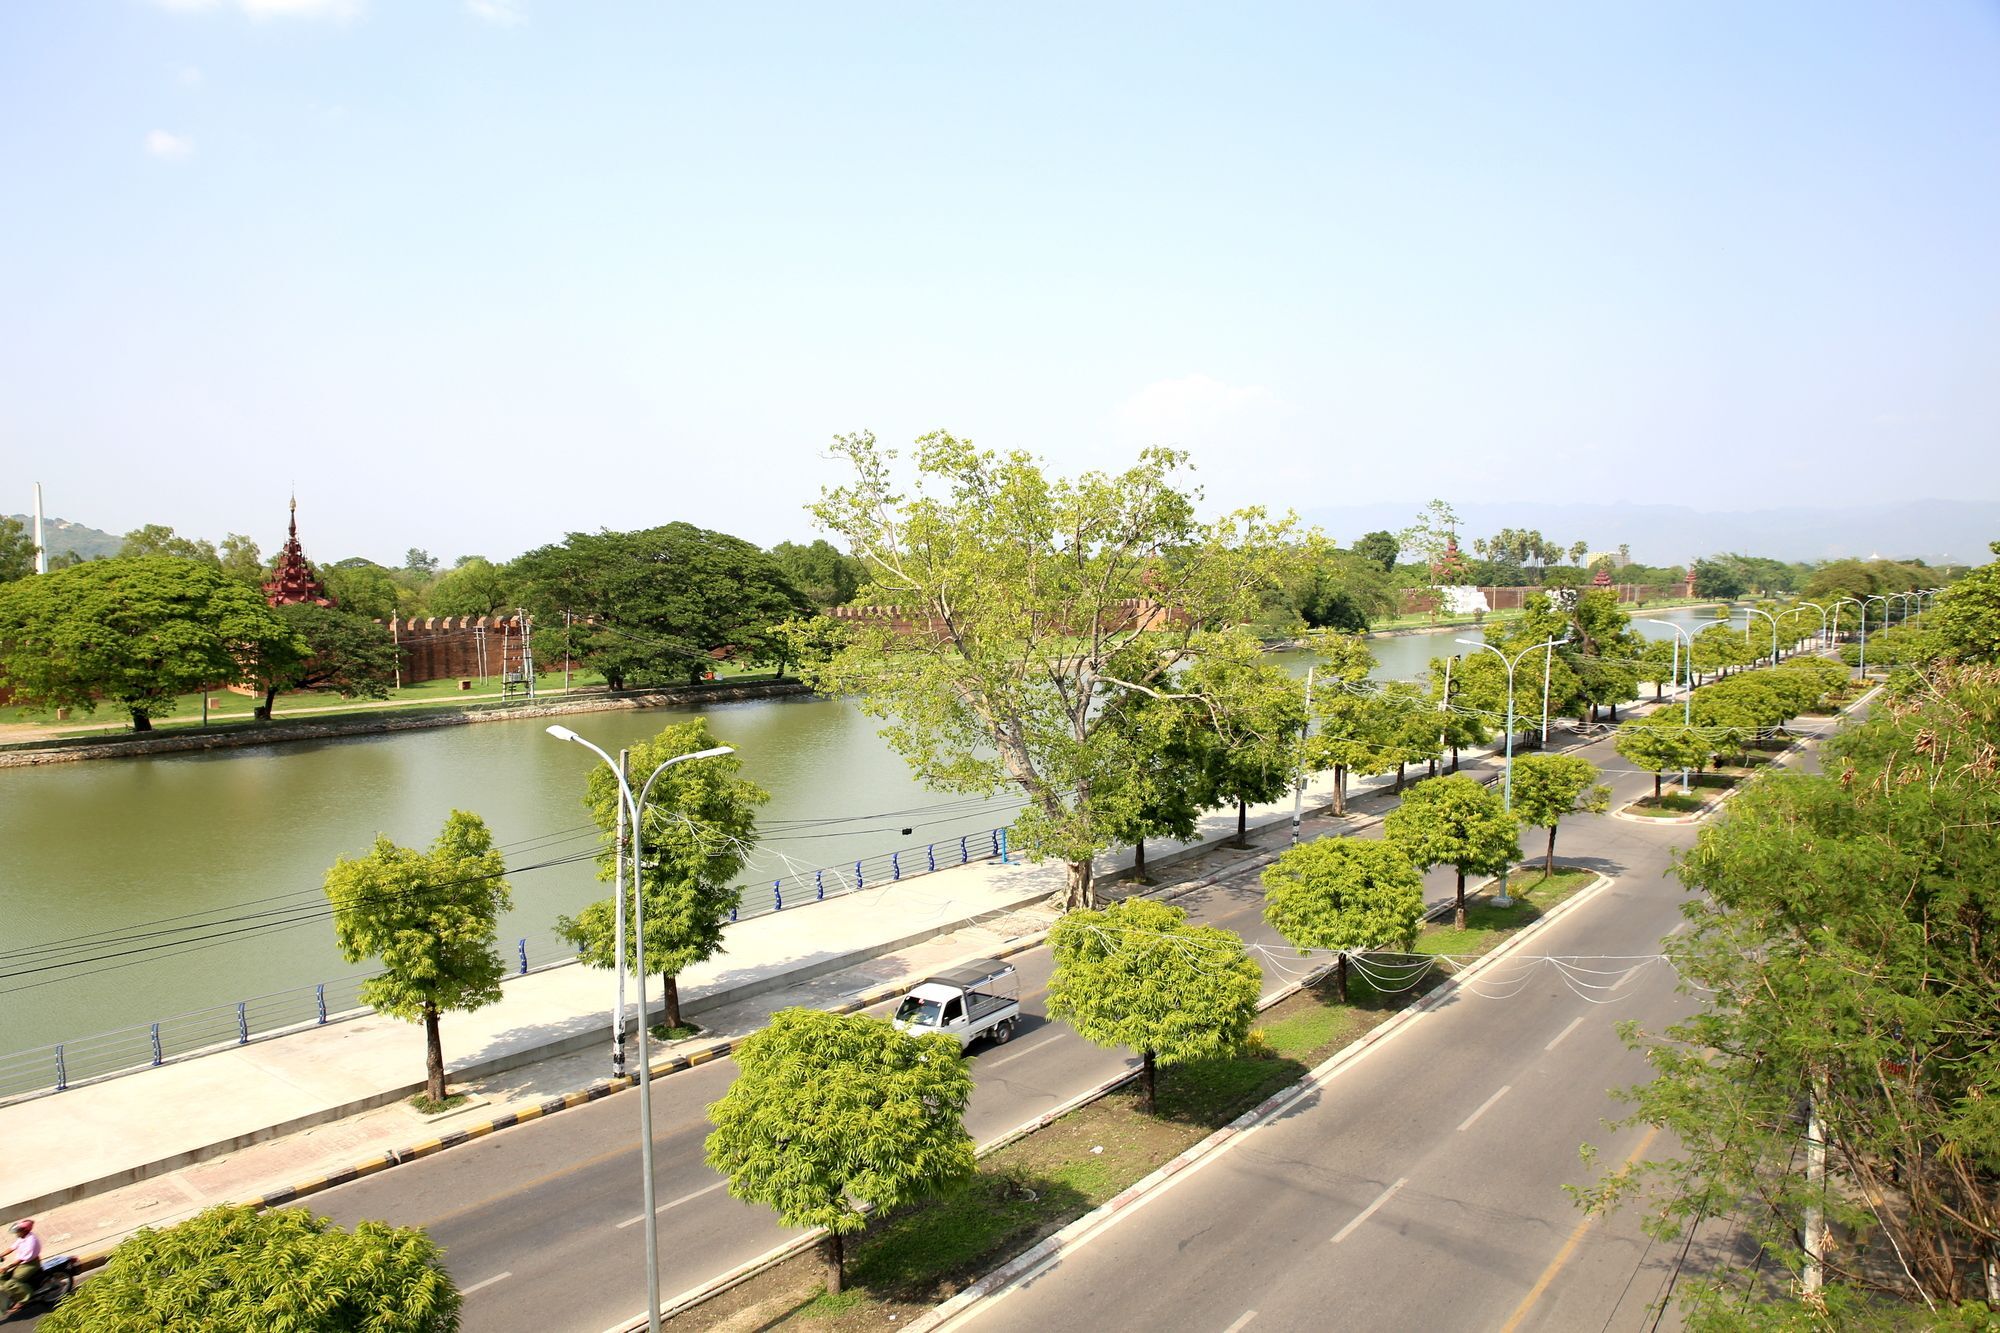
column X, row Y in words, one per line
column 914, row 1010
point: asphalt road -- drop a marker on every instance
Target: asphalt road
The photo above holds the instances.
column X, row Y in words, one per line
column 1421, row 1188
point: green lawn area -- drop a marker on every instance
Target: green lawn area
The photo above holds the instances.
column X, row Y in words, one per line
column 904, row 1264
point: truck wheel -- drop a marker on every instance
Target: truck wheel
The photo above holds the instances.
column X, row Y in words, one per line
column 1003, row 1033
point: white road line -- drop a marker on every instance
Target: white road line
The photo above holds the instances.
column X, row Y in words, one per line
column 1237, row 1327
column 1574, row 1024
column 467, row 1291
column 1629, row 974
column 1017, row 1054
column 1369, row 1211
column 673, row 1203
column 1467, row 1123
column 1678, row 929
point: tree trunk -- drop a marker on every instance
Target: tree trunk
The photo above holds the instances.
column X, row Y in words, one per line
column 1340, row 789
column 263, row 714
column 1614, row 710
column 673, row 987
column 834, row 1254
column 1148, row 1082
column 1080, row 892
column 433, row 1055
column 1399, row 774
column 1242, row 823
column 1433, row 770
column 1656, row 788
column 141, row 720
column 1454, row 759
column 1340, row 976
column 1659, row 693
column 1139, row 862
column 1549, row 865
column 1458, row 911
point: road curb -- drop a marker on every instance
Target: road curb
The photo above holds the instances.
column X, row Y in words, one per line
column 1025, row 1265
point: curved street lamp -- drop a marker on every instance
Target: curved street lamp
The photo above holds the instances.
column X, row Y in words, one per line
column 1687, row 693
column 1507, row 789
column 633, row 807
column 1774, row 630
column 1801, row 609
column 1877, row 597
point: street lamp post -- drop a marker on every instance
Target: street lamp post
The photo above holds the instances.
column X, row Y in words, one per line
column 1863, row 668
column 628, row 806
column 1299, row 782
column 1507, row 788
column 1774, row 630
column 1687, row 692
column 1802, row 607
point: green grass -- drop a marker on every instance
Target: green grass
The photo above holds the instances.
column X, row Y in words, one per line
column 1670, row 805
column 425, row 1106
column 661, row 1032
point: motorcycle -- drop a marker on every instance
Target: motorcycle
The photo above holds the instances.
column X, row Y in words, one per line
column 55, row 1282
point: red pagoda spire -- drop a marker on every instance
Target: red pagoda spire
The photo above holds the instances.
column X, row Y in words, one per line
column 293, row 580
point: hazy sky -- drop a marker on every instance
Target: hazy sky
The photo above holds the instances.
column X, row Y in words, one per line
column 477, row 272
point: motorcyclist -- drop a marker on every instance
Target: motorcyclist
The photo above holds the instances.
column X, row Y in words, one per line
column 22, row 1268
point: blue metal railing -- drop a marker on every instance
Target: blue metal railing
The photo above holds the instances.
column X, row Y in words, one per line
column 56, row 1067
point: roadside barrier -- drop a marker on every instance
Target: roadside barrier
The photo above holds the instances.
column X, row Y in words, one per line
column 41, row 1070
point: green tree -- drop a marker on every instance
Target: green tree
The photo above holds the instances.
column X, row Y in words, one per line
column 823, row 575
column 657, row 605
column 332, row 651
column 1356, row 730
column 1459, row 723
column 1720, row 577
column 1659, row 743
column 1257, row 712
column 233, row 1269
column 241, row 560
column 135, row 632
column 420, row 562
column 17, row 550
column 1379, row 547
column 1020, row 591
column 1455, row 821
column 1137, row 974
column 367, row 589
column 1346, row 895
column 1842, row 932
column 156, row 539
column 1550, row 786
column 1153, row 784
column 832, row 1111
column 1966, row 618
column 431, row 918
column 475, row 586
column 700, row 828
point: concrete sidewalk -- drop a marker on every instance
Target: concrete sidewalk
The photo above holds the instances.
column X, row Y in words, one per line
column 272, row 1108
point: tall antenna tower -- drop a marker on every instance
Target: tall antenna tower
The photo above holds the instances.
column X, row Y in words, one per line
column 517, row 659
column 41, row 547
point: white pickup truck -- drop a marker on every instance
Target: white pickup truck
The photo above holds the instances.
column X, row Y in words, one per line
column 980, row 999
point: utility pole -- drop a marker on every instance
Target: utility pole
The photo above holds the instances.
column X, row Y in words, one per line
column 1815, row 1228
column 1299, row 783
column 41, row 547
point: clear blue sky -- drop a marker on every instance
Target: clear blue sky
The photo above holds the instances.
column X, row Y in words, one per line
column 475, row 273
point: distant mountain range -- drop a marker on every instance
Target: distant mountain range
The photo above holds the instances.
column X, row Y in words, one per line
column 60, row 536
column 1937, row 531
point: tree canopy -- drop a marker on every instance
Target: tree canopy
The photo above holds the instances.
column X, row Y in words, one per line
column 431, row 918
column 1455, row 821
column 132, row 631
column 700, row 826
column 233, row 1269
column 1966, row 618
column 17, row 550
column 1032, row 605
column 832, row 1111
column 824, row 576
column 474, row 586
column 1344, row 894
column 332, row 651
column 1137, row 974
column 1550, row 786
column 657, row 605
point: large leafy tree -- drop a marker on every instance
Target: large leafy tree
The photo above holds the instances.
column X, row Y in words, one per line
column 240, row 559
column 1455, row 821
column 156, row 539
column 233, row 1269
column 475, row 586
column 823, row 575
column 1030, row 604
column 431, row 918
column 1380, row 549
column 700, row 827
column 332, row 651
column 1348, row 895
column 135, row 632
column 1154, row 784
column 1137, row 974
column 656, row 605
column 1662, row 742
column 1844, row 934
column 1549, row 786
column 366, row 588
column 1257, row 715
column 17, row 550
column 832, row 1111
column 1966, row 618
column 1356, row 730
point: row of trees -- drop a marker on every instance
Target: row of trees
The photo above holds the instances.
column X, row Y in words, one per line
column 1726, row 715
column 1843, row 929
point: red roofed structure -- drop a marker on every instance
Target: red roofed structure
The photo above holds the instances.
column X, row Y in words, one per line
column 293, row 580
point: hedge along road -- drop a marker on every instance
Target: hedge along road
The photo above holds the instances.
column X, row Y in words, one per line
column 100, row 847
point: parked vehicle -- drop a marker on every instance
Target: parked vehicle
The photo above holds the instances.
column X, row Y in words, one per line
column 981, row 999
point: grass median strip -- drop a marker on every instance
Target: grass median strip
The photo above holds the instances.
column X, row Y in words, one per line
column 907, row 1262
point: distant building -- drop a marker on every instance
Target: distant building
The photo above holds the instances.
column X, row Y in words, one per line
column 293, row 580
column 1611, row 559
